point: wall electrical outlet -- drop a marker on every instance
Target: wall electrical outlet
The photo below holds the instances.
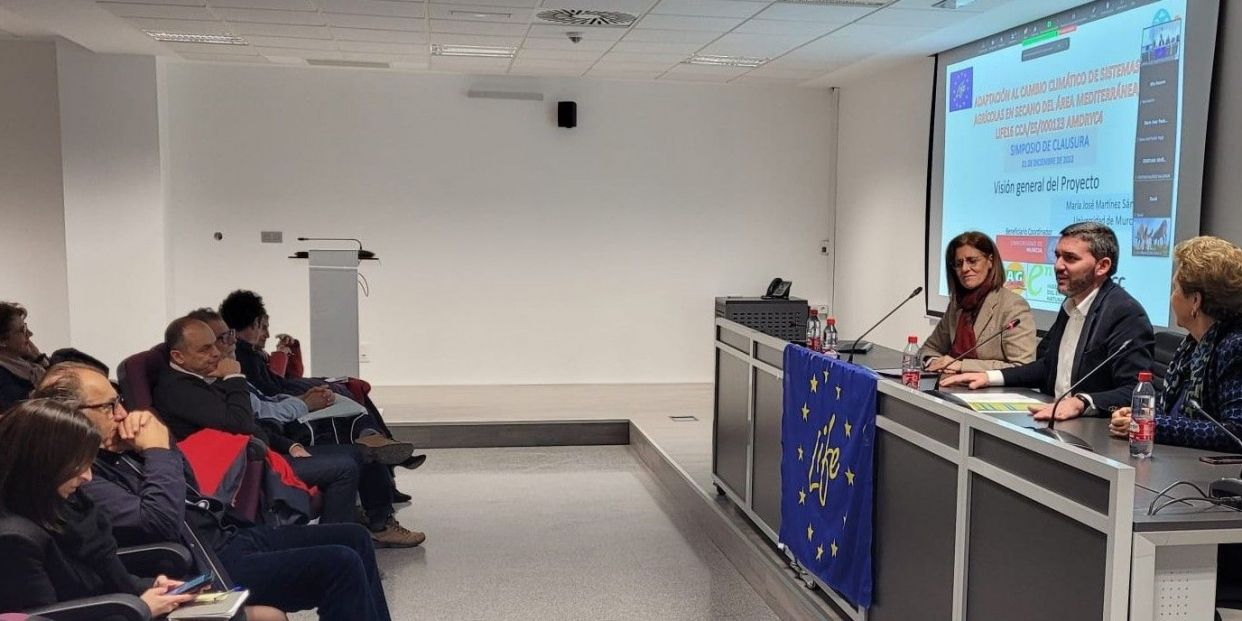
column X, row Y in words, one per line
column 825, row 247
column 364, row 353
column 271, row 237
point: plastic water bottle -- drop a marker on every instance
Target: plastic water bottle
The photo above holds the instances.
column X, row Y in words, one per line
column 1143, row 417
column 830, row 337
column 911, row 370
column 814, row 337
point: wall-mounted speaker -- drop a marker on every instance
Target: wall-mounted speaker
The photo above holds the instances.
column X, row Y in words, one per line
column 566, row 114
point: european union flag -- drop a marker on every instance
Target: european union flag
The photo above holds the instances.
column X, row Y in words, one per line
column 961, row 89
column 827, row 445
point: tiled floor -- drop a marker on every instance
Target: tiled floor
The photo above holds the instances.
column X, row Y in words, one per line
column 554, row 533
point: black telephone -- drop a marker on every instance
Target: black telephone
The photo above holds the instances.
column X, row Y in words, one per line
column 778, row 289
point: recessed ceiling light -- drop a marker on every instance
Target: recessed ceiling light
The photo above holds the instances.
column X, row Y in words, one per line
column 473, row 51
column 188, row 37
column 481, row 14
column 725, row 61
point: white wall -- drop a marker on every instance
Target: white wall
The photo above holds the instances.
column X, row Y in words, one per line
column 32, row 233
column 882, row 202
column 113, row 201
column 513, row 251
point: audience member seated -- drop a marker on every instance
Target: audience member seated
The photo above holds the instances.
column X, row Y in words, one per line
column 203, row 390
column 69, row 354
column 57, row 545
column 244, row 312
column 1098, row 316
column 142, row 484
column 375, row 483
column 21, row 363
column 979, row 307
column 1206, row 371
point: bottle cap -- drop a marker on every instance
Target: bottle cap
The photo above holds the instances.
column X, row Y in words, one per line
column 1144, row 376
column 832, row 321
column 912, row 339
column 814, row 312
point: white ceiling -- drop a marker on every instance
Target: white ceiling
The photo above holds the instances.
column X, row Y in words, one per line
column 810, row 45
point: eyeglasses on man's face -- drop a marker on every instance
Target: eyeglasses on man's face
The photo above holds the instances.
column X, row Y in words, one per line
column 107, row 407
column 228, row 336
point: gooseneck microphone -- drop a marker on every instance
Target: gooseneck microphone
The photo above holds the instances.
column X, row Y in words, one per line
column 1226, row 488
column 854, row 347
column 356, row 241
column 1005, row 328
column 1069, row 438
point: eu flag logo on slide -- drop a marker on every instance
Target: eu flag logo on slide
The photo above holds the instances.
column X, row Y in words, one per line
column 827, row 460
column 961, row 89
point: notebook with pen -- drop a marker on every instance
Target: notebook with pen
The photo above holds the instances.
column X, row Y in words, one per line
column 207, row 606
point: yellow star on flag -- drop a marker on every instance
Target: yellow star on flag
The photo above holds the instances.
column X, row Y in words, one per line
column 799, row 453
column 849, row 476
column 810, row 532
column 801, row 497
column 815, row 384
column 848, row 427
column 834, row 548
column 819, row 552
column 805, row 411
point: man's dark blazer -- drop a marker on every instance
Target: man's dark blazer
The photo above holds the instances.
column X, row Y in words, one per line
column 1114, row 316
column 187, row 403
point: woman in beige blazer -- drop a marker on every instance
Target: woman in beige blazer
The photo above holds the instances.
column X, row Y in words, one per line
column 979, row 306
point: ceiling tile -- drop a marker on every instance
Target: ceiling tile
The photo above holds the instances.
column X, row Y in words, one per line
column 549, row 31
column 762, row 46
column 486, row 13
column 210, row 48
column 539, row 43
column 390, row 8
column 378, row 36
column 291, row 53
column 181, row 25
column 708, row 8
column 160, row 11
column 923, row 18
column 176, row 2
column 293, row 43
column 344, row 20
column 513, row 3
column 282, row 5
column 678, row 22
column 268, row 16
column 656, row 48
column 814, row 13
column 478, row 27
column 280, row 30
column 750, row 79
column 605, row 65
column 785, row 27
column 611, row 74
column 366, row 47
column 225, row 58
column 467, row 39
column 565, row 72
column 568, row 65
column 526, row 54
column 387, row 58
column 457, row 64
column 671, row 36
column 654, row 59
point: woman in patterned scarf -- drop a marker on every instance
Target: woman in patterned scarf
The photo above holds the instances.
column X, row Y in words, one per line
column 1206, row 371
column 21, row 363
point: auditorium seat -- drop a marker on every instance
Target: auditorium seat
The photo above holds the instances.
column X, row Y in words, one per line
column 1166, row 345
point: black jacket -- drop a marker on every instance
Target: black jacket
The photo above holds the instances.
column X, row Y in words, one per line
column 42, row 567
column 255, row 367
column 1113, row 318
column 187, row 404
column 12, row 389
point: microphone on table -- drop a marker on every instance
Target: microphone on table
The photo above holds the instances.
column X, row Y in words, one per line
column 1069, row 438
column 854, row 347
column 1224, row 487
column 1005, row 328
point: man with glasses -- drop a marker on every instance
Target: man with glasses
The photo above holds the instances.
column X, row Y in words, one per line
column 141, row 482
column 1097, row 317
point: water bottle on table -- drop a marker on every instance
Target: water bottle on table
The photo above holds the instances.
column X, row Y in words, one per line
column 911, row 370
column 1143, row 417
column 814, row 337
column 830, row 337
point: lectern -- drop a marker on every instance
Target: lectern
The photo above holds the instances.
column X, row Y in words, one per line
column 334, row 309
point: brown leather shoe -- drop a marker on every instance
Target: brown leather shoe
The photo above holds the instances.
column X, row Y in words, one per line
column 395, row 535
column 377, row 448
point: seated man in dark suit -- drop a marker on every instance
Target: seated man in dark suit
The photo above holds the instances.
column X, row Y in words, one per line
column 143, row 486
column 203, row 390
column 1095, row 319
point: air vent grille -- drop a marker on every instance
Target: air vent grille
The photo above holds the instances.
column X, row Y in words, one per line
column 585, row 17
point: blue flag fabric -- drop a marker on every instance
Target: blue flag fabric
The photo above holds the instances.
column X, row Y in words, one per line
column 827, row 464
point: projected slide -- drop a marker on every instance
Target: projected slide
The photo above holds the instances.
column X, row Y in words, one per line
column 1063, row 121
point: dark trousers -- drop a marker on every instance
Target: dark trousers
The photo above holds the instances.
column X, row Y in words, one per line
column 347, row 475
column 330, row 567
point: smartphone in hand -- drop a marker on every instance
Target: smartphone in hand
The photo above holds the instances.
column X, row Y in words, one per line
column 192, row 584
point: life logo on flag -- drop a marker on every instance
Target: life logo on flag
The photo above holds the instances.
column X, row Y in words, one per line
column 827, row 460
